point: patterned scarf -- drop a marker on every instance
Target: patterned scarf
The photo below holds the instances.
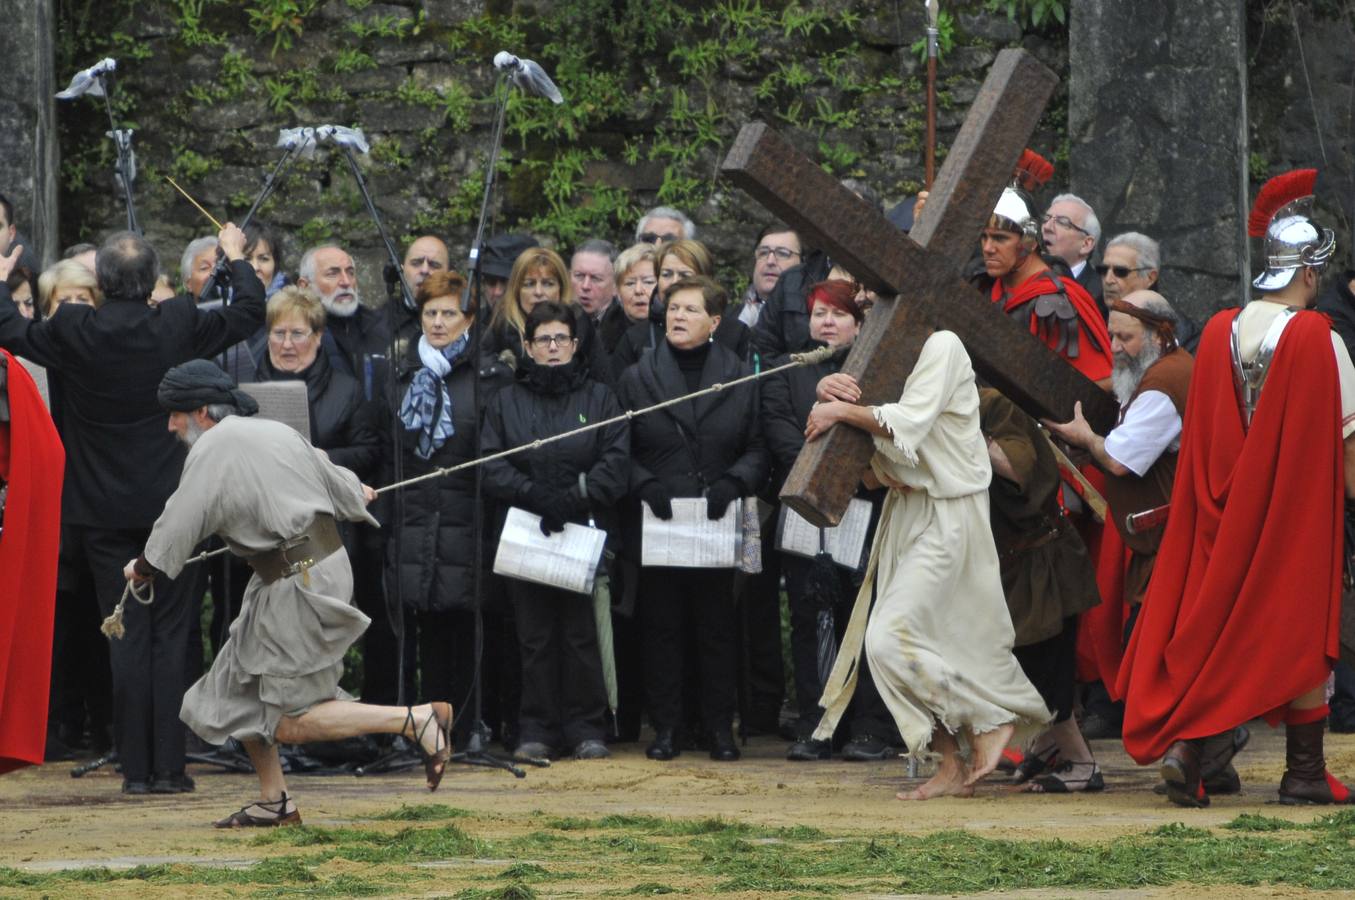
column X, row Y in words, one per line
column 427, row 406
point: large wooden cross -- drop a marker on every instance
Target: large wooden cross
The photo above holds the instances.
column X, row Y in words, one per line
column 923, row 270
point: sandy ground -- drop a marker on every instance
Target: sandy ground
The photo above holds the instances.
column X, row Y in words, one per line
column 50, row 821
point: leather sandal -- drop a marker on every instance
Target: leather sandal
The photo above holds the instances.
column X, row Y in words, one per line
column 243, row 818
column 435, row 763
column 1036, row 762
column 1060, row 780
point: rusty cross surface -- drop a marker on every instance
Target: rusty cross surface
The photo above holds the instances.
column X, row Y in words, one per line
column 923, row 270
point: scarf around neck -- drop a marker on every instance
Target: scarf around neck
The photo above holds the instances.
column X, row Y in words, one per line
column 427, row 406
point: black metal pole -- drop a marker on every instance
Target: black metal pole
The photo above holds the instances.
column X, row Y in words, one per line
column 122, row 140
column 476, row 754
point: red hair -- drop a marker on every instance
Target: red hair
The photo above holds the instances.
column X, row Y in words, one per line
column 838, row 294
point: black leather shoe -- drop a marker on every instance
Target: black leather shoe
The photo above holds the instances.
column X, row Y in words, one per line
column 866, row 748
column 664, row 746
column 722, row 746
column 135, row 787
column 172, row 784
column 809, row 750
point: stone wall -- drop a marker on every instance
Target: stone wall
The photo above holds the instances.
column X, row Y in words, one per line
column 28, row 147
column 1155, row 127
column 655, row 93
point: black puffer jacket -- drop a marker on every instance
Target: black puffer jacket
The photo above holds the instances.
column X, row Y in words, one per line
column 687, row 447
column 644, row 336
column 342, row 423
column 546, row 401
column 429, row 525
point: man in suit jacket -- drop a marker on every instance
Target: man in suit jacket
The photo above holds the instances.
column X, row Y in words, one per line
column 1071, row 232
column 122, row 464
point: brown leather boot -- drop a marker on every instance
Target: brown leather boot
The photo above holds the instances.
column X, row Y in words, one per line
column 1306, row 779
column 1180, row 769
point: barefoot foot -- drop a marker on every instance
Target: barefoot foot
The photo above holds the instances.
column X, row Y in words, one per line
column 949, row 781
column 988, row 748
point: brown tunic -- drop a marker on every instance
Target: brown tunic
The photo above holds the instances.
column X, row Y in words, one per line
column 1047, row 574
column 1130, row 494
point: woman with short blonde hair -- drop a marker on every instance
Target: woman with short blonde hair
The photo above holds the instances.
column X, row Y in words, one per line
column 67, row 282
column 291, row 300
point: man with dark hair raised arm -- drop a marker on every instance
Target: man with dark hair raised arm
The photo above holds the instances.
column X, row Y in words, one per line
column 121, row 465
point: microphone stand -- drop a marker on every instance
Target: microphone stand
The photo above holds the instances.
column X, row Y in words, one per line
column 122, row 169
column 475, row 753
column 399, row 757
column 270, row 184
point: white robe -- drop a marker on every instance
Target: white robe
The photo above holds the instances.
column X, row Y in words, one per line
column 939, row 638
column 257, row 483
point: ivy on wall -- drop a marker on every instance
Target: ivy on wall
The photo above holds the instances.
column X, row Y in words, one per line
column 655, row 90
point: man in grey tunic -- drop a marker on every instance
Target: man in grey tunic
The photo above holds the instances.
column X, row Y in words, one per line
column 274, row 499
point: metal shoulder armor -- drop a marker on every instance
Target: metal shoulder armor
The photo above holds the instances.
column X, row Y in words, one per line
column 1249, row 376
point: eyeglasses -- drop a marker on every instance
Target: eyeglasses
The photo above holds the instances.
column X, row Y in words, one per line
column 631, row 284
column 282, row 335
column 649, row 237
column 1067, row 223
column 1120, row 271
column 543, row 341
column 780, row 252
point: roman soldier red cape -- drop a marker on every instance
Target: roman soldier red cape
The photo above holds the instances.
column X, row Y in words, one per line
column 31, row 461
column 1094, row 357
column 1243, row 612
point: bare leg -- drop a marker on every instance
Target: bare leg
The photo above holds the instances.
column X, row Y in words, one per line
column 274, row 806
column 272, row 783
column 988, row 748
column 951, row 775
column 338, row 719
column 1072, row 745
column 1311, row 699
column 1077, row 770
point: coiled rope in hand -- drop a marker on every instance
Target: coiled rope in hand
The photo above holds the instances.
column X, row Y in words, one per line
column 112, row 626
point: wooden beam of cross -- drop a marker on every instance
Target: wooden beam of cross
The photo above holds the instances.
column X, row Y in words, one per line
column 923, row 270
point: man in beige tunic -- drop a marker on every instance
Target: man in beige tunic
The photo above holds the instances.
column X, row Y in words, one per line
column 939, row 639
column 274, row 499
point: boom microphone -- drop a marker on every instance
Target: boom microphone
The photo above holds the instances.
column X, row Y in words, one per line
column 528, row 76
column 89, row 81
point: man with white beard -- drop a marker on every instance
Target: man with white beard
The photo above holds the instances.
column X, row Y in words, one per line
column 357, row 339
column 1150, row 377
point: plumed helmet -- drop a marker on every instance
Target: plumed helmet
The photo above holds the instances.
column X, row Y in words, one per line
column 1283, row 217
column 1013, row 213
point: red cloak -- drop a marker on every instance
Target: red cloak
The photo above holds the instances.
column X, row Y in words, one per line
column 31, row 461
column 1243, row 611
column 1094, row 357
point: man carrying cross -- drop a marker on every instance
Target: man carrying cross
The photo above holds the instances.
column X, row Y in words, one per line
column 939, row 638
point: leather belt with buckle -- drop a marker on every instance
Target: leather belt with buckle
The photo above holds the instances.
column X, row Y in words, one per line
column 298, row 554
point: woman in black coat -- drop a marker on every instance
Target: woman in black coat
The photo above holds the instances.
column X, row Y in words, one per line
column 342, row 424
column 430, row 525
column 579, row 479
column 709, row 447
column 787, row 397
column 674, row 261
